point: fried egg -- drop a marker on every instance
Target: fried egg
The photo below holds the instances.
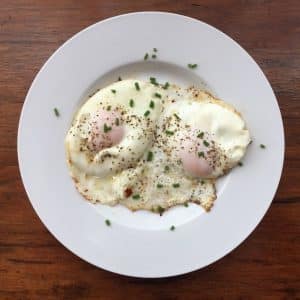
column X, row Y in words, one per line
column 205, row 135
column 148, row 147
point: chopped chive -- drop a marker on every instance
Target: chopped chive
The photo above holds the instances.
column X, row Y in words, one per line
column 168, row 132
column 240, row 163
column 106, row 128
column 160, row 209
column 192, row 66
column 167, row 168
column 136, row 197
column 107, row 222
column 150, row 156
column 186, row 204
column 117, row 122
column 131, row 103
column 205, row 143
column 153, row 80
column 146, row 56
column 113, row 91
column 56, row 112
column 152, row 104
column 262, row 146
column 202, row 182
column 166, row 85
column 177, row 117
column 172, row 228
column 108, row 108
column 200, row 135
column 157, row 95
column 201, row 154
column 147, row 113
column 154, row 49
column 159, row 186
column 176, row 185
column 153, row 56
column 119, row 78
column 137, row 86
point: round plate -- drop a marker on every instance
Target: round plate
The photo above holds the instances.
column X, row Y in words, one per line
column 140, row 244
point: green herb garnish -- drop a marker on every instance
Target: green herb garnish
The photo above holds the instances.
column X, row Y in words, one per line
column 117, row 122
column 150, row 156
column 108, row 108
column 159, row 185
column 168, row 132
column 137, row 86
column 153, row 80
column 56, row 112
column 201, row 154
column 202, row 182
column 166, row 85
column 177, row 117
column 172, row 228
column 113, row 91
column 106, row 128
column 167, row 168
column 146, row 56
column 107, row 222
column 136, row 197
column 119, row 78
column 154, row 49
column 153, row 56
column 205, row 143
column 147, row 113
column 192, row 66
column 200, row 135
column 186, row 204
column 176, row 185
column 240, row 163
column 131, row 103
column 160, row 209
column 262, row 146
column 157, row 95
column 152, row 104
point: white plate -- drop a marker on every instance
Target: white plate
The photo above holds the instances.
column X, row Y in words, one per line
column 141, row 244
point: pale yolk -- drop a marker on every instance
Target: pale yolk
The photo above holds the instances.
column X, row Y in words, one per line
column 106, row 130
column 194, row 164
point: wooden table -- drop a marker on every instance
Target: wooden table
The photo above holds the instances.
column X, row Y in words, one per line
column 33, row 265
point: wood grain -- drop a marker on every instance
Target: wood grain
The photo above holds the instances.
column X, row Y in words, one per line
column 33, row 265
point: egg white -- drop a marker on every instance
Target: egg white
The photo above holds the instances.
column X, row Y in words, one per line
column 160, row 182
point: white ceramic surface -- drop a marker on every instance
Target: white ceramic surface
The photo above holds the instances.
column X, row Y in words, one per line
column 141, row 244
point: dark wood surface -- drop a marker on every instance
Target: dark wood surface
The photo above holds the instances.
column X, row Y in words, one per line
column 33, row 265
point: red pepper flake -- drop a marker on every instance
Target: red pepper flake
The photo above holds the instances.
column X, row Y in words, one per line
column 128, row 192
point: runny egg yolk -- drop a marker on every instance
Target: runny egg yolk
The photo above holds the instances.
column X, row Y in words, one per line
column 194, row 158
column 106, row 130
